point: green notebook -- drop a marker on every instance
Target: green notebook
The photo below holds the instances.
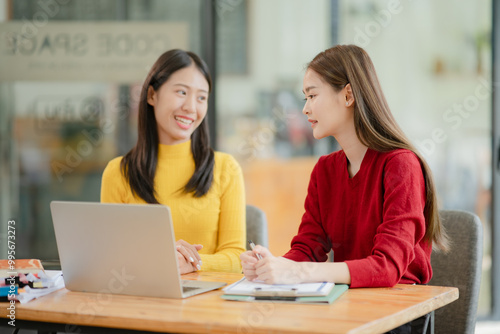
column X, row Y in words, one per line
column 335, row 293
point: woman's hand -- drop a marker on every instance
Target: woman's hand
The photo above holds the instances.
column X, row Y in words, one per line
column 248, row 262
column 187, row 256
column 271, row 269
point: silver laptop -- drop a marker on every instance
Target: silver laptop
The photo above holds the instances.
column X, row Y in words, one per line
column 120, row 249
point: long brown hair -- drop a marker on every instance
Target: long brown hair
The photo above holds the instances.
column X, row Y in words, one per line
column 375, row 125
column 139, row 164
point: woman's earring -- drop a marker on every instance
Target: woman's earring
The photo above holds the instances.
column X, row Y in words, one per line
column 346, row 103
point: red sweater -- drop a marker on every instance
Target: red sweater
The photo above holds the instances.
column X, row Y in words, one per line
column 374, row 222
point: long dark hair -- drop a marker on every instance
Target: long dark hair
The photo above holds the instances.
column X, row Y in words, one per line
column 139, row 165
column 375, row 125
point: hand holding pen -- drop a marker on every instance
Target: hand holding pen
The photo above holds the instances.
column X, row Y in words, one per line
column 249, row 259
column 252, row 246
column 261, row 265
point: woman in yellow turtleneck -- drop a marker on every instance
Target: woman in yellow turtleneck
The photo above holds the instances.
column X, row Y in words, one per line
column 173, row 164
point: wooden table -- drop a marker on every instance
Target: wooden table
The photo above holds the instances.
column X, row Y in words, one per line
column 373, row 310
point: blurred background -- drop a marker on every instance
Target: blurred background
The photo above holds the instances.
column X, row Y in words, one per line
column 71, row 72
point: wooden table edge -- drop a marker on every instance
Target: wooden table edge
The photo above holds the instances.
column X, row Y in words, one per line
column 157, row 326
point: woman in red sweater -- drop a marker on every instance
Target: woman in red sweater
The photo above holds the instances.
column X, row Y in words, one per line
column 373, row 202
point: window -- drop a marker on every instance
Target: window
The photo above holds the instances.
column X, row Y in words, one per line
column 70, row 80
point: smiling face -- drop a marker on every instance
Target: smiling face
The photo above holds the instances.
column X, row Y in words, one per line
column 180, row 105
column 325, row 108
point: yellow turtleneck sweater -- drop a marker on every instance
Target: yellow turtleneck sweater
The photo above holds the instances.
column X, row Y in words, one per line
column 216, row 220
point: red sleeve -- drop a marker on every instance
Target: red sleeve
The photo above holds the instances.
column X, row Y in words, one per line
column 311, row 243
column 402, row 228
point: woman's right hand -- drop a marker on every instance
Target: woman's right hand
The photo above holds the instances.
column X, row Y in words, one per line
column 187, row 256
column 248, row 262
column 269, row 268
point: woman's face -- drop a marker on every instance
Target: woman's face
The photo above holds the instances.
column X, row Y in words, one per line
column 180, row 105
column 325, row 108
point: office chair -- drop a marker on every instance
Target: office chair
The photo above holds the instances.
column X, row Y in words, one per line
column 256, row 226
column 461, row 268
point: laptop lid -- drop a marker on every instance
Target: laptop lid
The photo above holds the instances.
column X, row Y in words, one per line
column 118, row 248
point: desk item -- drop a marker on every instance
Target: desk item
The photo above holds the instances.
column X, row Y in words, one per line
column 113, row 248
column 249, row 288
column 335, row 292
column 245, row 290
column 47, row 282
column 6, row 290
column 24, row 288
column 19, row 266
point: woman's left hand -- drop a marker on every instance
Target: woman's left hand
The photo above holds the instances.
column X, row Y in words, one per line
column 277, row 270
column 187, row 256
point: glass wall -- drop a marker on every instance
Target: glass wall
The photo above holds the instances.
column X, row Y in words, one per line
column 259, row 102
column 70, row 73
column 434, row 63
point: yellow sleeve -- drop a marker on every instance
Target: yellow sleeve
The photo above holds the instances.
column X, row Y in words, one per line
column 232, row 221
column 113, row 184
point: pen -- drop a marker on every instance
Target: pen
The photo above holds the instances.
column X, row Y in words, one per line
column 252, row 246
